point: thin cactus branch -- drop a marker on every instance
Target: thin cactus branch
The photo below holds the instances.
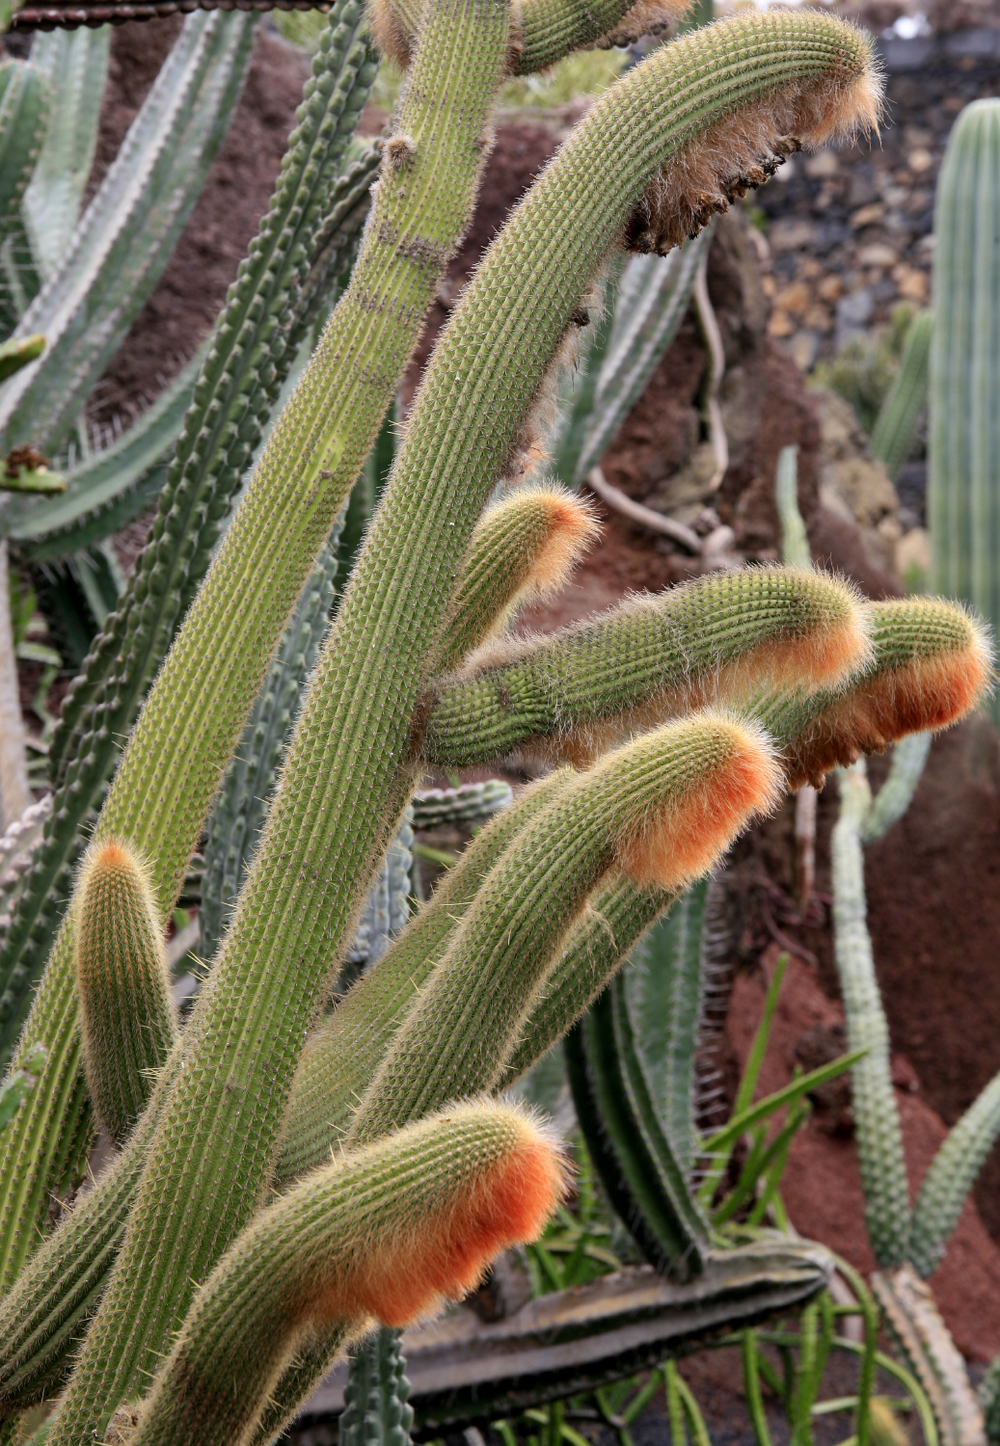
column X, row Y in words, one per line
column 877, row 1125
column 892, row 438
column 23, row 113
column 15, row 794
column 893, row 798
column 376, row 1407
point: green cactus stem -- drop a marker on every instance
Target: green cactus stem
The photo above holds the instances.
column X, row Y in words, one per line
column 878, row 1130
column 387, row 1232
column 522, row 550
column 963, row 445
column 19, row 351
column 952, row 1174
column 660, row 808
column 23, row 113
column 712, row 640
column 376, row 1398
column 468, row 803
column 329, row 826
column 896, row 793
column 547, row 29
column 233, row 398
column 892, row 438
column 127, row 1016
column 645, row 1181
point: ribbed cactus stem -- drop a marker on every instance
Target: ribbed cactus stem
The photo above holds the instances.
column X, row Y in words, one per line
column 127, row 1016
column 523, row 549
column 963, row 437
column 342, row 1053
column 376, row 1405
column 661, row 809
column 387, row 1232
column 547, row 29
column 716, row 639
column 892, row 439
column 931, row 664
column 952, row 1174
column 615, row 919
column 877, row 1124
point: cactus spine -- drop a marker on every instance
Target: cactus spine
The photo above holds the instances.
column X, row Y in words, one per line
column 964, row 431
column 127, row 1016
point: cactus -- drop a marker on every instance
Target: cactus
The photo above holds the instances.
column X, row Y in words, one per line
column 376, row 1409
column 963, row 461
column 23, row 109
column 203, row 1277
column 127, row 1017
column 470, row 802
column 892, row 436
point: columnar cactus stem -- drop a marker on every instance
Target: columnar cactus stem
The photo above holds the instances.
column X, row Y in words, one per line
column 201, row 698
column 661, row 809
column 127, row 1015
column 801, row 73
column 714, row 640
column 892, row 439
column 522, row 549
column 386, row 1232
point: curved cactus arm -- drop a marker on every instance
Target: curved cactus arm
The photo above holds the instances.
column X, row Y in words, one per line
column 547, row 29
column 877, row 1126
column 892, row 438
column 23, row 115
column 923, row 1340
column 962, row 448
column 931, row 665
column 74, row 67
column 233, row 399
column 241, row 806
column 614, row 920
column 893, row 798
column 388, row 1232
column 661, row 808
column 468, row 803
column 17, row 353
column 658, row 289
column 376, row 1398
column 522, row 549
column 952, row 1174
column 645, row 1181
column 128, row 231
column 127, row 1016
column 566, row 695
column 664, row 991
column 109, row 489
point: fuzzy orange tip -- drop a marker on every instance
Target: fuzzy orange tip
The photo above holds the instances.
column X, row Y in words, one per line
column 569, row 527
column 682, row 840
column 409, row 1275
column 110, row 856
column 925, row 694
column 744, row 149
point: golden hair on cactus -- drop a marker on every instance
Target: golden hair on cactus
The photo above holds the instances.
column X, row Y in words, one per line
column 743, row 149
column 934, row 664
column 681, row 840
column 127, row 1015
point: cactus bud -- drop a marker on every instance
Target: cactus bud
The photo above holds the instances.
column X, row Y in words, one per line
column 523, row 548
column 388, row 1232
column 126, row 1012
column 932, row 664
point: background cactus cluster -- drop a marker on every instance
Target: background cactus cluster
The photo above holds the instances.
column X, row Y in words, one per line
column 300, row 1159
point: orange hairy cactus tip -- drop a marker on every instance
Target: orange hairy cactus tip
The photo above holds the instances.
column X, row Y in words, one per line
column 680, row 841
column 571, row 527
column 442, row 1256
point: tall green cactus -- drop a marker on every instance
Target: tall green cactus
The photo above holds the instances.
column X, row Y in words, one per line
column 892, row 437
column 192, row 1274
column 964, row 433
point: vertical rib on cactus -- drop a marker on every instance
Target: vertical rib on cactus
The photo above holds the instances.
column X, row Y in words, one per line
column 547, row 29
column 892, row 438
column 327, row 826
column 388, row 1232
column 878, row 1130
column 198, row 705
column 963, row 508
column 714, row 640
column 376, row 1396
column 523, row 549
column 127, row 1016
column 661, row 809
